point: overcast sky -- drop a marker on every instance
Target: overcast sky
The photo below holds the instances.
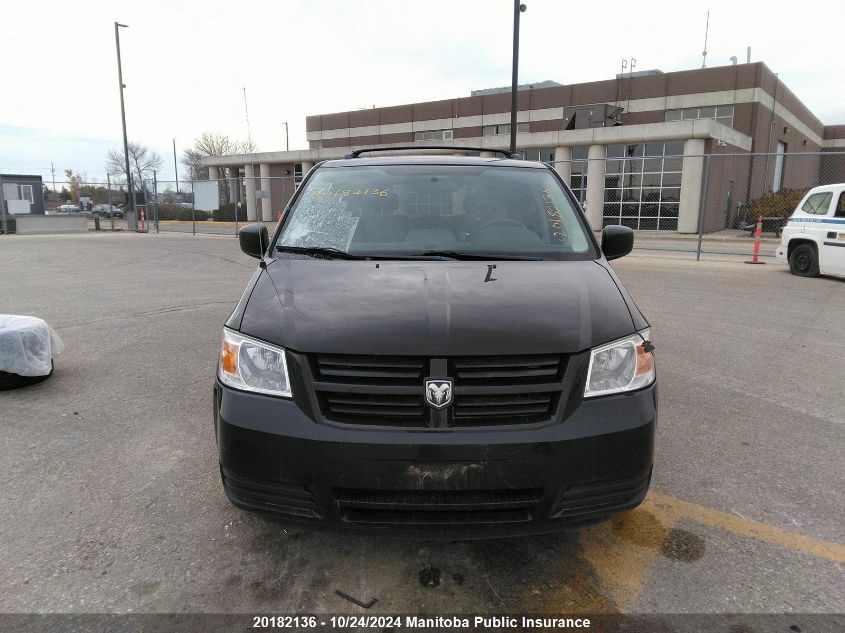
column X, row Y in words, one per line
column 186, row 63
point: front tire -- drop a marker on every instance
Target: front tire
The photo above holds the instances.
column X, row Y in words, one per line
column 803, row 261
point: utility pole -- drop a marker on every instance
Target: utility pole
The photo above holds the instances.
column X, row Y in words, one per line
column 246, row 112
column 175, row 170
column 517, row 9
column 287, row 143
column 53, row 171
column 123, row 120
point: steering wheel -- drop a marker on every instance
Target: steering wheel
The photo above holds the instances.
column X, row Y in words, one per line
column 502, row 222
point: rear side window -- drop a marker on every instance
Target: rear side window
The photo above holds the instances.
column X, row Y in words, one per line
column 818, row 203
column 840, row 208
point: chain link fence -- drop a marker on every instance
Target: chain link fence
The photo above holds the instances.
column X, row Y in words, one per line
column 218, row 206
column 685, row 203
column 706, row 203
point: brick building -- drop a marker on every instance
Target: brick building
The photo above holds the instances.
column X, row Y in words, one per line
column 632, row 148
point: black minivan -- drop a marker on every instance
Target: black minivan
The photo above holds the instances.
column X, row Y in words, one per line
column 436, row 345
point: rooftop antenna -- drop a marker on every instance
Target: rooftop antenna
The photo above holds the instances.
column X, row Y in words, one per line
column 246, row 111
column 619, row 78
column 631, row 67
column 706, row 33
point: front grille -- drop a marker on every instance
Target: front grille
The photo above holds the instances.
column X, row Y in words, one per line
column 433, row 507
column 370, row 368
column 374, row 408
column 285, row 498
column 511, row 408
column 388, row 390
column 512, row 369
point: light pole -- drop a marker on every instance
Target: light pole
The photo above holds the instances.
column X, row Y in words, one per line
column 287, row 144
column 517, row 9
column 175, row 171
column 118, row 26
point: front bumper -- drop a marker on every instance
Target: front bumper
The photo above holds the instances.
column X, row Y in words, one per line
column 780, row 253
column 464, row 483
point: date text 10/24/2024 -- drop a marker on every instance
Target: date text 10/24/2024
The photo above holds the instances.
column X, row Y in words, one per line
column 418, row 622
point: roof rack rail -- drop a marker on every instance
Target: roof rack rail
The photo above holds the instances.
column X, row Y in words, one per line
column 455, row 148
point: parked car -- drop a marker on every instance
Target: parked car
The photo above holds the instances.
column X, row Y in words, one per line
column 107, row 211
column 436, row 345
column 813, row 241
column 67, row 208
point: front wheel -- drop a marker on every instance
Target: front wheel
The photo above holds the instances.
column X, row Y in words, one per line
column 803, row 261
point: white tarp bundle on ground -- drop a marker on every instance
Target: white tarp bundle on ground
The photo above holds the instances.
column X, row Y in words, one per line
column 27, row 345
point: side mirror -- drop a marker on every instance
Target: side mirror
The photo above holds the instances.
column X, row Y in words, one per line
column 616, row 241
column 254, row 240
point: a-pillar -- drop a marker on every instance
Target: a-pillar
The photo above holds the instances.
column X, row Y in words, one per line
column 234, row 185
column 563, row 163
column 595, row 185
column 691, row 173
column 266, row 200
column 249, row 181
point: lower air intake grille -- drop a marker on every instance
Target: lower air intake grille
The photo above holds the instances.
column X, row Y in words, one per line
column 272, row 496
column 431, row 507
column 600, row 498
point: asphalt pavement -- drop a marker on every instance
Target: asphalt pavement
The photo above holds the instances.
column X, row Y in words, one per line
column 112, row 500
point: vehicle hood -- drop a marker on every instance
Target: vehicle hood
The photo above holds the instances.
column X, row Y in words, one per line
column 431, row 308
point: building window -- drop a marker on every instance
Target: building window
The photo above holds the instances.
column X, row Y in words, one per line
column 434, row 135
column 315, row 144
column 25, row 193
column 578, row 171
column 643, row 185
column 778, row 179
column 544, row 155
column 496, row 130
column 723, row 114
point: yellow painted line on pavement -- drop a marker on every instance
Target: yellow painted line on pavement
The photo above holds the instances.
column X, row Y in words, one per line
column 670, row 510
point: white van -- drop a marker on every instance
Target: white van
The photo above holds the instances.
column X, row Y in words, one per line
column 813, row 241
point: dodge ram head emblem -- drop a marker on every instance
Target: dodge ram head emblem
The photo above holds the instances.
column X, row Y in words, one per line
column 438, row 393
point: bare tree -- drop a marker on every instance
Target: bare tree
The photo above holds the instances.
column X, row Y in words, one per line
column 142, row 162
column 75, row 182
column 211, row 144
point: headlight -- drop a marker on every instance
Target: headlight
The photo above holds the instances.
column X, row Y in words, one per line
column 622, row 365
column 252, row 365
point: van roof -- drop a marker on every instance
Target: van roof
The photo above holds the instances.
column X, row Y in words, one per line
column 832, row 187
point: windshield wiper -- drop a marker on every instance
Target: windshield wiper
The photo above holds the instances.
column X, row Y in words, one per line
column 462, row 255
column 319, row 251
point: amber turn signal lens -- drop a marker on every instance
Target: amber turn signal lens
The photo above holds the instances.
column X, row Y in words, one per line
column 229, row 358
column 645, row 361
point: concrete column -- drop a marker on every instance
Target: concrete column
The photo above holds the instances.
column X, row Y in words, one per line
column 564, row 168
column 266, row 202
column 213, row 173
column 249, row 181
column 234, row 185
column 595, row 185
column 691, row 174
column 306, row 166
